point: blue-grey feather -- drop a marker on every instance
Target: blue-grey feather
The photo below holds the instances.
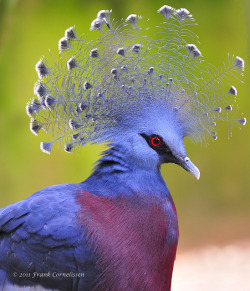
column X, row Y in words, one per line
column 115, row 89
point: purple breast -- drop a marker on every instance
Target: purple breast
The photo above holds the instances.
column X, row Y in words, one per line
column 133, row 240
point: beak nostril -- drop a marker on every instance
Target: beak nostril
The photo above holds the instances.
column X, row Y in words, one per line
column 190, row 167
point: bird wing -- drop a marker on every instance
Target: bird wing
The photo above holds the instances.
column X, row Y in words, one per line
column 40, row 239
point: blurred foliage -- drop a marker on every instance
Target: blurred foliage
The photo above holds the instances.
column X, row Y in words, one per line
column 212, row 210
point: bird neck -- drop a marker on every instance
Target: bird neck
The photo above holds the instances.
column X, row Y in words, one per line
column 113, row 161
column 115, row 175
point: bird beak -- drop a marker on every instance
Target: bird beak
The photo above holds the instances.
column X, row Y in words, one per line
column 190, row 167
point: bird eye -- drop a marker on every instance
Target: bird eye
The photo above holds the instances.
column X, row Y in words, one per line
column 155, row 141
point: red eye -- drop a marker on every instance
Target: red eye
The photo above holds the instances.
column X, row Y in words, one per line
column 155, row 141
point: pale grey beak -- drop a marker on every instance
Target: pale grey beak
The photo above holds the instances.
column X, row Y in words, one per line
column 191, row 168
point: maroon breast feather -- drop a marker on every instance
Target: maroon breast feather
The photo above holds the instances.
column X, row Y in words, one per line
column 131, row 238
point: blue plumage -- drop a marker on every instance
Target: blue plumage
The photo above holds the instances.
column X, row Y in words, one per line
column 47, row 232
column 40, row 235
column 118, row 230
column 44, row 233
column 97, row 87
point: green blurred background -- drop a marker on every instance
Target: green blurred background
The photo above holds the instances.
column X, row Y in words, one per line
column 213, row 210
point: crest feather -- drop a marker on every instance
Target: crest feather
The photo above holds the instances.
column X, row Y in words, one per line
column 84, row 96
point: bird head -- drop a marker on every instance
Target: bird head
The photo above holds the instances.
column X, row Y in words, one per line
column 153, row 137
